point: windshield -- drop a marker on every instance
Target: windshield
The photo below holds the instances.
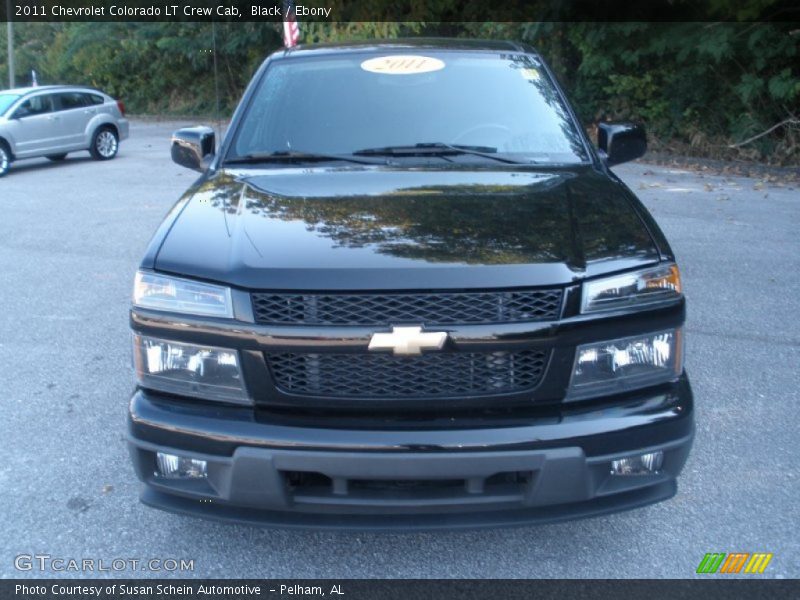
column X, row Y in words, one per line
column 502, row 103
column 6, row 100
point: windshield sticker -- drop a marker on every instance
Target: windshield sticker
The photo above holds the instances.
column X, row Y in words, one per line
column 402, row 65
column 530, row 74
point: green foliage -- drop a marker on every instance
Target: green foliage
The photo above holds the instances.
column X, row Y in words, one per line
column 154, row 67
column 698, row 86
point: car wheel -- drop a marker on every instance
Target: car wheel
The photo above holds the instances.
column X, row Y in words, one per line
column 105, row 143
column 5, row 159
column 57, row 157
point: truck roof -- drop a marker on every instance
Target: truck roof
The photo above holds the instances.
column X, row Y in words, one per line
column 466, row 45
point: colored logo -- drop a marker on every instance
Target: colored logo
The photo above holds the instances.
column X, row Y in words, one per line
column 736, row 562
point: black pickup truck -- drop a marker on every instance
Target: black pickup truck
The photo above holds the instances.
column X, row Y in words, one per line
column 408, row 293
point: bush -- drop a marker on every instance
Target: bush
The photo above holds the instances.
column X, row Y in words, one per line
column 701, row 88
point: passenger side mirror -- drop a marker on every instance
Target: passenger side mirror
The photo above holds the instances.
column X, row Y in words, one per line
column 621, row 142
column 194, row 147
column 20, row 112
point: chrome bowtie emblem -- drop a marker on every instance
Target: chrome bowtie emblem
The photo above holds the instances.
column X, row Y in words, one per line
column 408, row 340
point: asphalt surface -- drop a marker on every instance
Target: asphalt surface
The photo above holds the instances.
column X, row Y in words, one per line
column 71, row 236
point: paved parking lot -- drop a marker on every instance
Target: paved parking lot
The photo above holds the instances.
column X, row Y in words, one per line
column 71, row 235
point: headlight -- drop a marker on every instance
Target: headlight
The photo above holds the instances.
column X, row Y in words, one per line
column 162, row 292
column 625, row 364
column 189, row 370
column 639, row 288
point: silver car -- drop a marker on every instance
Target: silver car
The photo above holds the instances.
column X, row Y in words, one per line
column 52, row 121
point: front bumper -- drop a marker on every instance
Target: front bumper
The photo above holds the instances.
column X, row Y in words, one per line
column 548, row 468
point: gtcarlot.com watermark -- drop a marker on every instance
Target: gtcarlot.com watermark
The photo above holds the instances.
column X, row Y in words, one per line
column 60, row 564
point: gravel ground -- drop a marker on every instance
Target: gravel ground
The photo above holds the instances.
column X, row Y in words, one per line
column 71, row 237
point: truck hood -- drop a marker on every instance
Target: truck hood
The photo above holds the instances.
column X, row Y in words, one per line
column 384, row 228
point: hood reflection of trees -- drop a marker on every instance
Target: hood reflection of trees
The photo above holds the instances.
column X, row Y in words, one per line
column 478, row 224
column 472, row 224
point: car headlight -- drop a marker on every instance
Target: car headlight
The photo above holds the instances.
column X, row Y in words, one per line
column 635, row 289
column 162, row 292
column 627, row 363
column 204, row 372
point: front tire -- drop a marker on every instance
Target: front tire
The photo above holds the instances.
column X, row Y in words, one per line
column 5, row 159
column 57, row 157
column 105, row 144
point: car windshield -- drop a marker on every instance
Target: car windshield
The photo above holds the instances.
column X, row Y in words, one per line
column 6, row 100
column 345, row 104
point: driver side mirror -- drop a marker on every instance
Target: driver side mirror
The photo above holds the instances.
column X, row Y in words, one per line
column 194, row 147
column 621, row 142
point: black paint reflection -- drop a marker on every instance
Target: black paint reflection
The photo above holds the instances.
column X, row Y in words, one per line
column 573, row 216
column 486, row 224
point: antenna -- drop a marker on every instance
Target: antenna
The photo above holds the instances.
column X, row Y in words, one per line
column 217, row 115
column 10, row 29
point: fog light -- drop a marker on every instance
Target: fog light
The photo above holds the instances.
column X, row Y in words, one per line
column 644, row 464
column 171, row 466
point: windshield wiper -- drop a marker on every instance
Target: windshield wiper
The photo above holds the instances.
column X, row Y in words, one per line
column 292, row 155
column 438, row 149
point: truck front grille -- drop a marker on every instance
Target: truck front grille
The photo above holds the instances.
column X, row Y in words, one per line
column 390, row 308
column 377, row 376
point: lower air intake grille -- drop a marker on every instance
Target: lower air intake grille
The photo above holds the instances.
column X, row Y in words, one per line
column 445, row 374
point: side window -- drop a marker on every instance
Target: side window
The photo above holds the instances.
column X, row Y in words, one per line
column 71, row 100
column 94, row 99
column 38, row 105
